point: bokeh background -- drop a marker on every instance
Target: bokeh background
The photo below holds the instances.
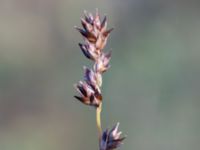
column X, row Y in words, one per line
column 152, row 88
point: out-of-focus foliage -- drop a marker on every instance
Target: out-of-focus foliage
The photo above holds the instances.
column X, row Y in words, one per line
column 152, row 87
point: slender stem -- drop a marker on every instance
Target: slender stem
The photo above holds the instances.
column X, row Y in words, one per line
column 98, row 120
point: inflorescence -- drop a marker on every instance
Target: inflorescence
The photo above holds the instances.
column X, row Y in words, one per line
column 95, row 36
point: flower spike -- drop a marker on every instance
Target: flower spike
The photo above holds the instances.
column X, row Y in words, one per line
column 95, row 35
column 111, row 139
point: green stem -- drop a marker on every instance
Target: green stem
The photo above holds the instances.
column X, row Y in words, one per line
column 98, row 120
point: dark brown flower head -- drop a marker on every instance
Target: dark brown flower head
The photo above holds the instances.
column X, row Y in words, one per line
column 94, row 30
column 87, row 95
column 95, row 35
column 111, row 139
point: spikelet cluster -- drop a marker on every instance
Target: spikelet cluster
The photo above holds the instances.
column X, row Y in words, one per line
column 111, row 139
column 95, row 37
column 95, row 34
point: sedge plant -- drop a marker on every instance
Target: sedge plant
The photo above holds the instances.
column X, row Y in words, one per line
column 95, row 35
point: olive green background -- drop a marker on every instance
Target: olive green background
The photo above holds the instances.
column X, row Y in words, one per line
column 152, row 88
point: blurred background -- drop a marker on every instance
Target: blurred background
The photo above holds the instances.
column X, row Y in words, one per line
column 152, row 88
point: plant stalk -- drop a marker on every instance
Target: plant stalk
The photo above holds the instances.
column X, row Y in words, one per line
column 98, row 120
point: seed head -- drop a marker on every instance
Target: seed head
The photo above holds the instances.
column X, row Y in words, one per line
column 88, row 95
column 94, row 30
column 111, row 139
column 95, row 36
